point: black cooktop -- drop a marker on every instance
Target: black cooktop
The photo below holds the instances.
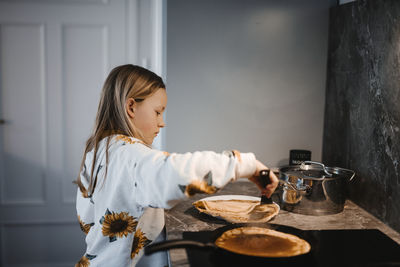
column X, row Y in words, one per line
column 351, row 248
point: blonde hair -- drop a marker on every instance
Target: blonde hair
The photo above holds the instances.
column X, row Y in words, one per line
column 123, row 82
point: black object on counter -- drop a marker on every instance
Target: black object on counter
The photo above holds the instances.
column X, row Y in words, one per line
column 348, row 248
column 264, row 178
column 297, row 156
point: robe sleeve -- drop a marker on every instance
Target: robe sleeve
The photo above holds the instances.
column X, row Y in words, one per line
column 162, row 179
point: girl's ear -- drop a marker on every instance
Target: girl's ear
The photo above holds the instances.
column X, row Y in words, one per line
column 130, row 105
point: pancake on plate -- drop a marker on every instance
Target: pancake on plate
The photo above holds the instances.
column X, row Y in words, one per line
column 238, row 210
column 262, row 242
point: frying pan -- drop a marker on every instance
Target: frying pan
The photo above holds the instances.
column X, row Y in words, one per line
column 219, row 256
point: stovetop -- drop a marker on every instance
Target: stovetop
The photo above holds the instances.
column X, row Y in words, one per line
column 351, row 248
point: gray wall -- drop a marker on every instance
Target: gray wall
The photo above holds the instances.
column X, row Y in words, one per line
column 363, row 103
column 248, row 75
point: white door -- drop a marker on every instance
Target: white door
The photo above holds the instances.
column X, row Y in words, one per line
column 54, row 57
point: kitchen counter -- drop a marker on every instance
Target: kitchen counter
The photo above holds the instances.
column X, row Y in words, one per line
column 184, row 217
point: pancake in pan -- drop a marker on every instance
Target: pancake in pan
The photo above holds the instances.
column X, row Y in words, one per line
column 262, row 242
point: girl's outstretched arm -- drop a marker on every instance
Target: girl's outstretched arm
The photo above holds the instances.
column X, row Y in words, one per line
column 161, row 179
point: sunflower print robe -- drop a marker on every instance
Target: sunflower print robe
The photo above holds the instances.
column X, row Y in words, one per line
column 125, row 212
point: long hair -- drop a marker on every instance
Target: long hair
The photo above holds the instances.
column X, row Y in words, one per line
column 123, row 82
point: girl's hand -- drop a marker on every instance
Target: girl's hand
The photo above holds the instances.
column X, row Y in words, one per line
column 270, row 188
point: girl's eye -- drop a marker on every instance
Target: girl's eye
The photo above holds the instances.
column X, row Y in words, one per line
column 158, row 113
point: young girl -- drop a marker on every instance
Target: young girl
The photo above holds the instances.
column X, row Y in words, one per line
column 124, row 184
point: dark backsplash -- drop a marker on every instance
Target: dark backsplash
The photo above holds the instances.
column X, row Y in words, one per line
column 362, row 115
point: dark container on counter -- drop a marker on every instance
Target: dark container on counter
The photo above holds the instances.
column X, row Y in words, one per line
column 297, row 156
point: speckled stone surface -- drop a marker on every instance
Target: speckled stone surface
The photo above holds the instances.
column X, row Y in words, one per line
column 362, row 117
column 184, row 217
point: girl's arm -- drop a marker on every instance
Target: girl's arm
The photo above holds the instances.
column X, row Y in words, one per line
column 161, row 179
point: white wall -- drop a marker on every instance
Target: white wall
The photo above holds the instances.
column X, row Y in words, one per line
column 247, row 75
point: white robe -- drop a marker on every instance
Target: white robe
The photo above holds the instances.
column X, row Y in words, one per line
column 125, row 211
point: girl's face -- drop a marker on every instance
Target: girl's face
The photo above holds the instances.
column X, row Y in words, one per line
column 148, row 115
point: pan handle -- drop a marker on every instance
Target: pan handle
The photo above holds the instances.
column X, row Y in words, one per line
column 176, row 243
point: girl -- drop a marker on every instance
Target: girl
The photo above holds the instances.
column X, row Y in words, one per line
column 124, row 184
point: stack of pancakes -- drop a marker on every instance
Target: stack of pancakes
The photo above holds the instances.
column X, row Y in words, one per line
column 238, row 210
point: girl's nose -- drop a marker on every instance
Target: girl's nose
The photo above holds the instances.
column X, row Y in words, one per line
column 162, row 123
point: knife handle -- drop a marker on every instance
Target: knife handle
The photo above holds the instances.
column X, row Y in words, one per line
column 264, row 178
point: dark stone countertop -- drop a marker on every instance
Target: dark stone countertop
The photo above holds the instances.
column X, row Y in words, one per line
column 184, row 217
